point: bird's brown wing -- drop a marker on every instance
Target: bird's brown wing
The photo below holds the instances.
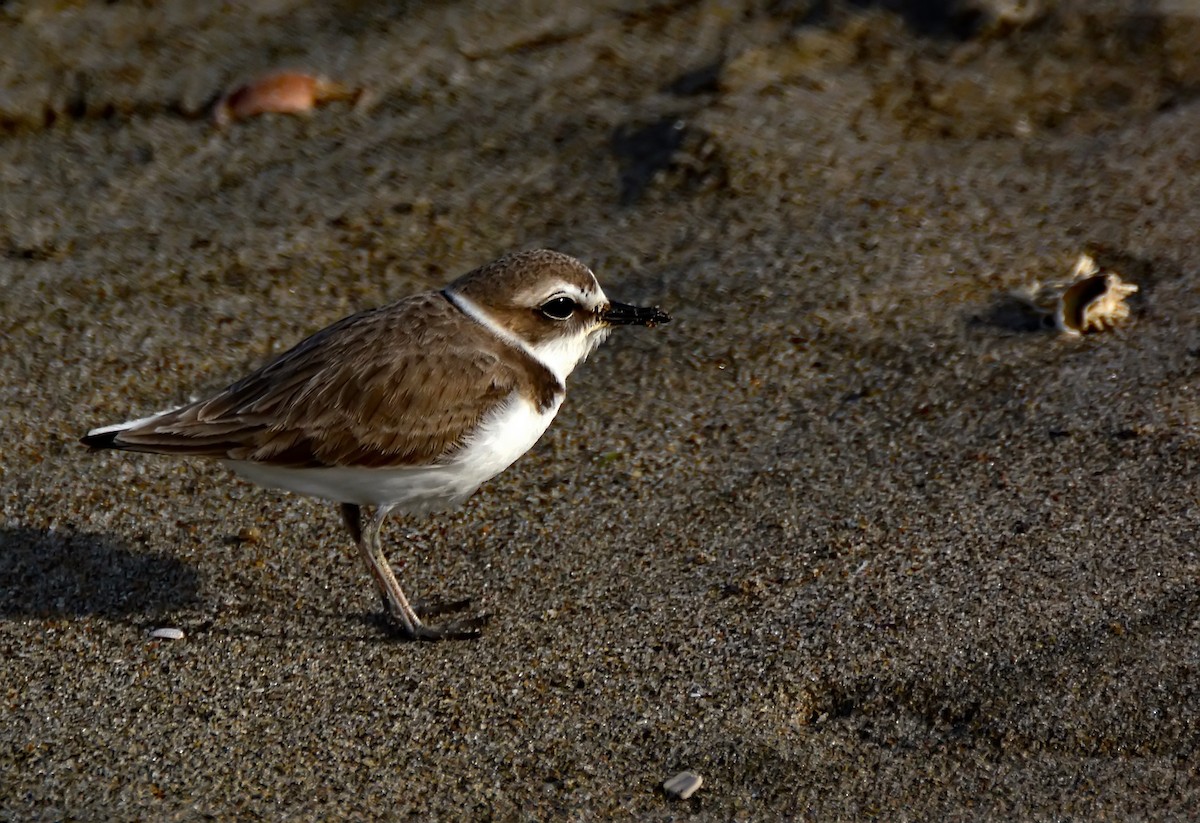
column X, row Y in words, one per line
column 403, row 385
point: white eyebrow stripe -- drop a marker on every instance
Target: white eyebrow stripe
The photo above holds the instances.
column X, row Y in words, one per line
column 562, row 289
column 596, row 283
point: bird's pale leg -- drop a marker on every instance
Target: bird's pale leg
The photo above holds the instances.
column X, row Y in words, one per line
column 377, row 564
column 367, row 537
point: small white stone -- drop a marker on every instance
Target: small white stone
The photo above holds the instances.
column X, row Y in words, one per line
column 683, row 785
column 166, row 634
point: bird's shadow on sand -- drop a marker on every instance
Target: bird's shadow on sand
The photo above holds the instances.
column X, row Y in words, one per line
column 48, row 574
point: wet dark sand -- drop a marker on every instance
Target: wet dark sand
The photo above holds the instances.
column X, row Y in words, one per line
column 843, row 539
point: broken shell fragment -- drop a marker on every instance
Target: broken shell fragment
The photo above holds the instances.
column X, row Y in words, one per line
column 1095, row 301
column 166, row 633
column 284, row 92
column 1091, row 300
column 683, row 785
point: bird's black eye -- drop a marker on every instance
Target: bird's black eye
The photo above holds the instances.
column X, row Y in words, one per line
column 559, row 308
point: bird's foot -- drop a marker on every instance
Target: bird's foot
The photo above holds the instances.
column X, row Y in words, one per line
column 467, row 628
column 435, row 608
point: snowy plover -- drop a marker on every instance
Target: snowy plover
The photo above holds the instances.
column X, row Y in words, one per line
column 410, row 406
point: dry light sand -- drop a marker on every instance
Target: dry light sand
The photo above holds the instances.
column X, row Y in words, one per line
column 848, row 539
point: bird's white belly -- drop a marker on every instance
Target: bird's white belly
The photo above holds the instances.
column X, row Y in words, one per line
column 492, row 448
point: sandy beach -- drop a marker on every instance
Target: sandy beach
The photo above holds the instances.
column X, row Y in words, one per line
column 855, row 537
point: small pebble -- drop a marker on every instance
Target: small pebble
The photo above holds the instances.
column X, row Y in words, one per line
column 683, row 785
column 166, row 634
column 283, row 92
column 250, row 534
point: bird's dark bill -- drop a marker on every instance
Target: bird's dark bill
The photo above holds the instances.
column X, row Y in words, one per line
column 621, row 314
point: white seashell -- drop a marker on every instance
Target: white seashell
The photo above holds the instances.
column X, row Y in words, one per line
column 166, row 634
column 1095, row 301
column 1091, row 300
column 683, row 785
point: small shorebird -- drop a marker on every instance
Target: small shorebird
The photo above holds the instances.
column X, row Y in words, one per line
column 410, row 406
